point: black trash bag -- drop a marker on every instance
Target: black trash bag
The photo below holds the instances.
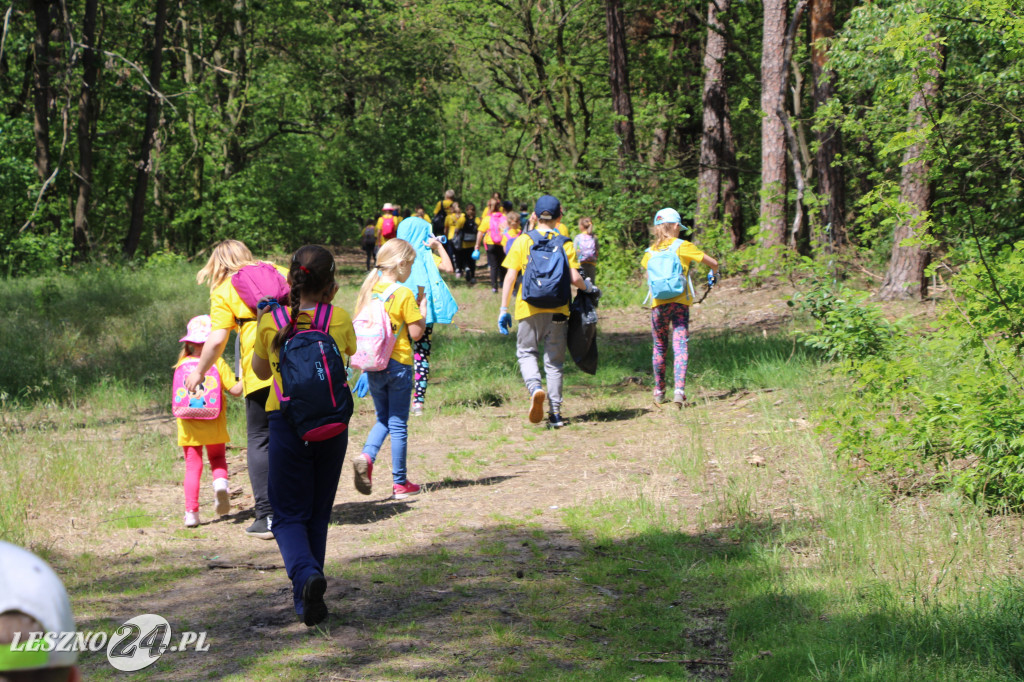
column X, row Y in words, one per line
column 583, row 331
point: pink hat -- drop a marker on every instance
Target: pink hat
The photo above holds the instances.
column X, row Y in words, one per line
column 199, row 328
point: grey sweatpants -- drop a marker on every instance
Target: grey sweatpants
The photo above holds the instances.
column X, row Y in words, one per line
column 534, row 330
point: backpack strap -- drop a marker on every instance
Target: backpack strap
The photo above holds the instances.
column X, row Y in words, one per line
column 322, row 317
column 383, row 298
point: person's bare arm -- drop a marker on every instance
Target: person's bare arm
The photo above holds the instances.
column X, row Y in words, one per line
column 416, row 329
column 212, row 349
column 710, row 262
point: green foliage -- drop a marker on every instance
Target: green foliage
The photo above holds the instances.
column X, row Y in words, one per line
column 845, row 328
column 944, row 399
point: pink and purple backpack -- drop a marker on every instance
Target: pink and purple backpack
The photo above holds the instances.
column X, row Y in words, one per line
column 374, row 339
column 495, row 228
column 203, row 403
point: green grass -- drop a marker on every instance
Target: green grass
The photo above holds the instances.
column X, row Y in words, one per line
column 816, row 575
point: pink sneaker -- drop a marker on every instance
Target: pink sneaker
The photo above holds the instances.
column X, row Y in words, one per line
column 403, row 490
column 362, row 470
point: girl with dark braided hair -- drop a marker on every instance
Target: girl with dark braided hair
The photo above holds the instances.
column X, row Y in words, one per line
column 303, row 475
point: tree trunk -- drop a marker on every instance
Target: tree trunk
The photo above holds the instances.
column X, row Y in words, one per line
column 152, row 119
column 831, row 180
column 712, row 140
column 42, row 93
column 190, row 77
column 618, row 75
column 799, row 234
column 731, row 209
column 86, row 116
column 907, row 263
column 773, row 135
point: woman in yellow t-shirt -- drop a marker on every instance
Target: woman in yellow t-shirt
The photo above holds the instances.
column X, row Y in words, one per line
column 453, row 223
column 493, row 224
column 228, row 312
column 391, row 388
column 672, row 315
column 303, row 474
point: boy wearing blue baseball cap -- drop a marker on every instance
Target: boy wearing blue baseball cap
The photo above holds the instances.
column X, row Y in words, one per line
column 548, row 268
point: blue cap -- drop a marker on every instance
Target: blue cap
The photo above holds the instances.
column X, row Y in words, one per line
column 548, row 208
column 667, row 215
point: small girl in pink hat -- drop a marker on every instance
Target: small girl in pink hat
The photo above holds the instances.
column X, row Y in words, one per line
column 202, row 420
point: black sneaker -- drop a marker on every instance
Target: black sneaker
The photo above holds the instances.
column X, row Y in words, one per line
column 555, row 421
column 260, row 528
column 314, row 610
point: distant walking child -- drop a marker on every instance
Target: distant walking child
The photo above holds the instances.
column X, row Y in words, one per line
column 368, row 242
column 668, row 266
column 301, row 345
column 391, row 387
column 549, row 267
column 586, row 248
column 202, row 420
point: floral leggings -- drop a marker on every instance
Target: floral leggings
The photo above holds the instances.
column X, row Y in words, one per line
column 674, row 317
column 421, row 365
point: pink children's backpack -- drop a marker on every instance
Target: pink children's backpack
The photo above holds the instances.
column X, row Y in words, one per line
column 387, row 228
column 374, row 338
column 203, row 403
column 260, row 280
column 495, row 228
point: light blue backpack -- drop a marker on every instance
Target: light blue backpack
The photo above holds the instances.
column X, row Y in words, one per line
column 666, row 276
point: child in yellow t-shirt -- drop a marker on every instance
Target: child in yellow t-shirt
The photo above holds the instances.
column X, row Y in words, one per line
column 671, row 315
column 195, row 434
column 392, row 388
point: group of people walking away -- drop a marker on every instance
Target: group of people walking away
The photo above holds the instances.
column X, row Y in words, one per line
column 297, row 351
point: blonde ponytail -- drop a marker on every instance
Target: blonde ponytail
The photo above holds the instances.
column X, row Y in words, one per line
column 392, row 256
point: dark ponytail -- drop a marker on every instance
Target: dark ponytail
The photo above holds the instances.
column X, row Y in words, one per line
column 311, row 272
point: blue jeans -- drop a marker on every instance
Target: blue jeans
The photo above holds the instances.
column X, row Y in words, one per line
column 391, row 389
column 303, row 480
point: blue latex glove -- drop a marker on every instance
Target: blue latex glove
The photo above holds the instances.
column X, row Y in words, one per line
column 712, row 280
column 476, row 254
column 504, row 322
column 362, row 385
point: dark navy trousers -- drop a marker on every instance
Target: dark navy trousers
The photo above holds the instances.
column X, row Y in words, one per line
column 303, row 482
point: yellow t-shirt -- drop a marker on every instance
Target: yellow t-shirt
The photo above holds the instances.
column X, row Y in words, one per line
column 452, row 223
column 688, row 253
column 403, row 310
column 341, row 330
column 226, row 308
column 447, row 203
column 470, row 241
column 209, row 431
column 561, row 229
column 485, row 226
column 516, row 260
column 509, row 234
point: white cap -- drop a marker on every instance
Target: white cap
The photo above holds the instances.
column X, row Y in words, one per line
column 29, row 585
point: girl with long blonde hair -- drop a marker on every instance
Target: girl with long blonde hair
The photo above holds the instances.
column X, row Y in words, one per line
column 391, row 387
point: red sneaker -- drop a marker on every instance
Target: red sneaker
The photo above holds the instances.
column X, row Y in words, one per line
column 362, row 470
column 403, row 490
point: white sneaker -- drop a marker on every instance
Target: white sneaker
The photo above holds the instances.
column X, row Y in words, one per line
column 220, row 491
column 191, row 519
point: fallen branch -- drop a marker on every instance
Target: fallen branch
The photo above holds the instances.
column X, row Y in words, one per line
column 255, row 567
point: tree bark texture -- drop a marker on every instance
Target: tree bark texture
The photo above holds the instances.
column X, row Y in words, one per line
column 798, row 234
column 143, row 165
column 831, row 180
column 86, row 116
column 907, row 263
column 618, row 76
column 712, row 140
column 42, row 93
column 773, row 135
column 731, row 207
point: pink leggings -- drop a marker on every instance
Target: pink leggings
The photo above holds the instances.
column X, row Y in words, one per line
column 194, row 470
column 670, row 319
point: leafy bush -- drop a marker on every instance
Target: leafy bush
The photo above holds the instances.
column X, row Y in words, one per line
column 845, row 328
column 944, row 399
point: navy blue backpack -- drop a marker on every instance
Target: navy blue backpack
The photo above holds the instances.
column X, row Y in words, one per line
column 547, row 282
column 314, row 393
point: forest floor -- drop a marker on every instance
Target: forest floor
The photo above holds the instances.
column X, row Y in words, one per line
column 452, row 582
